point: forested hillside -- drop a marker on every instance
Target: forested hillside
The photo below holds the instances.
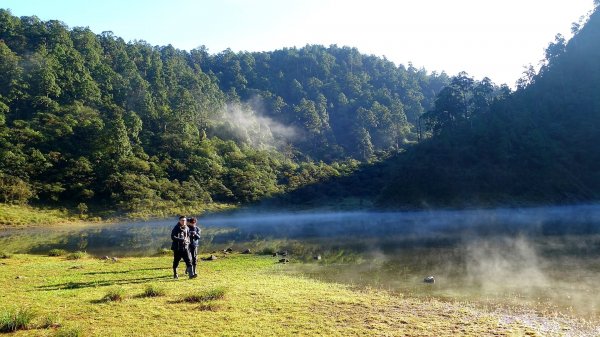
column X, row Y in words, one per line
column 88, row 119
column 541, row 144
column 342, row 102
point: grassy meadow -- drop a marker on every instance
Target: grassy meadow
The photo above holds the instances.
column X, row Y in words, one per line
column 235, row 295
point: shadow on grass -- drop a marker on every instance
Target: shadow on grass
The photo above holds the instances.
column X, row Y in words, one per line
column 100, row 283
column 125, row 271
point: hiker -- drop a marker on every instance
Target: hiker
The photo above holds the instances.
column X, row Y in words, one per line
column 180, row 246
column 194, row 243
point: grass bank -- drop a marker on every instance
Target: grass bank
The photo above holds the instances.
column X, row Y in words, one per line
column 235, row 295
column 23, row 216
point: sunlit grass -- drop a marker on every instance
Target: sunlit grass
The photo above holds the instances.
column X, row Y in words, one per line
column 237, row 295
column 70, row 331
column 114, row 295
column 153, row 290
column 77, row 255
column 20, row 216
column 15, row 319
column 205, row 296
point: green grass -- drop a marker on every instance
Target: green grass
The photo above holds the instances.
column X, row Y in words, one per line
column 238, row 295
column 73, row 331
column 153, row 290
column 205, row 296
column 15, row 319
column 23, row 216
column 51, row 320
column 18, row 216
column 114, row 295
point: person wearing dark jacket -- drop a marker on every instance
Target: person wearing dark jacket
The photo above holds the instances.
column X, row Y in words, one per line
column 180, row 235
column 194, row 243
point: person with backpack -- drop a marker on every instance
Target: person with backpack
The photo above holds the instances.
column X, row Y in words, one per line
column 180, row 236
column 194, row 243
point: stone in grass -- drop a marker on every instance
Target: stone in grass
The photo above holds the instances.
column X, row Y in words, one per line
column 105, row 258
column 210, row 258
column 247, row 251
column 317, row 257
column 284, row 261
column 429, row 279
column 115, row 259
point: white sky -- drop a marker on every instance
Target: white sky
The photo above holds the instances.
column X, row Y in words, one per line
column 482, row 37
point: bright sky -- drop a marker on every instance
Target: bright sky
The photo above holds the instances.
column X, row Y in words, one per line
column 494, row 38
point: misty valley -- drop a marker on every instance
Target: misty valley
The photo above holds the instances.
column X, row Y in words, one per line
column 544, row 258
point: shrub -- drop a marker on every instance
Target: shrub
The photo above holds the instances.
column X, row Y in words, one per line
column 164, row 251
column 153, row 291
column 206, row 296
column 76, row 255
column 57, row 252
column 16, row 319
column 5, row 255
column 70, row 332
column 114, row 295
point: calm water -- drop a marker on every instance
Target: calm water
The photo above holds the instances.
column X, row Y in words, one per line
column 547, row 258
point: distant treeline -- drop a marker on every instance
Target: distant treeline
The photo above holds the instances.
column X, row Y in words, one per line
column 88, row 119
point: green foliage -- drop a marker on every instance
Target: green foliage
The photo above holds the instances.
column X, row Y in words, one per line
column 114, row 295
column 77, row 255
column 152, row 290
column 15, row 319
column 21, row 216
column 90, row 121
column 57, row 252
column 206, row 296
column 164, row 251
column 5, row 255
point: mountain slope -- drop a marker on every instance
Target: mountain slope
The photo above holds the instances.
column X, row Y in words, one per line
column 542, row 144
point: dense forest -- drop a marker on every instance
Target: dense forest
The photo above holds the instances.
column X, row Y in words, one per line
column 91, row 120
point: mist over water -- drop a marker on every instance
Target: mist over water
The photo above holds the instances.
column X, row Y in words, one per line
column 546, row 257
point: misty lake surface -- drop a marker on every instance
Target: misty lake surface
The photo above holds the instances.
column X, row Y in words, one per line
column 547, row 258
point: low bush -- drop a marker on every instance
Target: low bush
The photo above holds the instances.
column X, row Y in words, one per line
column 164, row 251
column 114, row 295
column 5, row 255
column 16, row 319
column 57, row 252
column 153, row 291
column 206, row 296
column 76, row 255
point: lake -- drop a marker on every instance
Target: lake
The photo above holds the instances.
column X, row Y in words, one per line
column 545, row 258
